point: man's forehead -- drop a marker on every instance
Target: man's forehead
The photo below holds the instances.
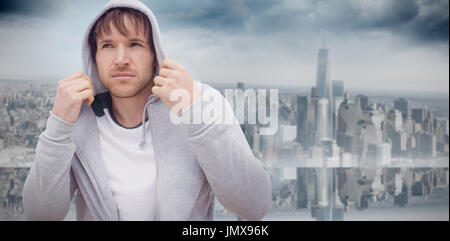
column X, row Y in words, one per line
column 115, row 34
column 129, row 30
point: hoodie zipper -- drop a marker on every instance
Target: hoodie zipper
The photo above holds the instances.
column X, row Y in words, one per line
column 83, row 163
column 158, row 195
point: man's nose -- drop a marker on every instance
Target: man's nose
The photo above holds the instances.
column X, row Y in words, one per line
column 122, row 58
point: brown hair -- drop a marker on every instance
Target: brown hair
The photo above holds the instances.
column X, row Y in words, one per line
column 116, row 17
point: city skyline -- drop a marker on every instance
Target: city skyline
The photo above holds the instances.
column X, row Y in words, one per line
column 373, row 44
column 363, row 164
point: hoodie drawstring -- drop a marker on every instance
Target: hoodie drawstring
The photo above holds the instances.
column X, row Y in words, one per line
column 146, row 108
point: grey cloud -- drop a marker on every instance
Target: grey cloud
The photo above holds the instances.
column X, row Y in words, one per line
column 419, row 20
column 422, row 20
column 224, row 15
column 41, row 8
column 432, row 22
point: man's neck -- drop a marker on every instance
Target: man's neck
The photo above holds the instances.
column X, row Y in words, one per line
column 128, row 111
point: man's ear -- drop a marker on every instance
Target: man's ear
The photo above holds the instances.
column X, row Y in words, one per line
column 155, row 66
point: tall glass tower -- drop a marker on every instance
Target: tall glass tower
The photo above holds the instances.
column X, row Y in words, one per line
column 323, row 86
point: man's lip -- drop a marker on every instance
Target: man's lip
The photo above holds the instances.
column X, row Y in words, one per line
column 123, row 75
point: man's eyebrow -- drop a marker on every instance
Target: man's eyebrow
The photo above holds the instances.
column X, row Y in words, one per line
column 137, row 40
column 131, row 40
column 104, row 41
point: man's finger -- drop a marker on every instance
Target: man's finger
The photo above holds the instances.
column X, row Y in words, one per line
column 73, row 76
column 87, row 95
column 90, row 100
column 165, row 72
column 171, row 64
column 90, row 81
column 79, row 85
column 78, row 77
column 91, row 97
column 160, row 81
column 157, row 90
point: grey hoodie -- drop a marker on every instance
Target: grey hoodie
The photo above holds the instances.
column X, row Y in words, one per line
column 195, row 162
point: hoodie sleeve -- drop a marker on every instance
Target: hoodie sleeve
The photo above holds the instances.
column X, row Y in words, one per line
column 236, row 177
column 50, row 185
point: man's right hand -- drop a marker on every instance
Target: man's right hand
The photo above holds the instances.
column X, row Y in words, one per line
column 72, row 91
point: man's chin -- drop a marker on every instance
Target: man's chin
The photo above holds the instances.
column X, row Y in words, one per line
column 127, row 91
column 124, row 93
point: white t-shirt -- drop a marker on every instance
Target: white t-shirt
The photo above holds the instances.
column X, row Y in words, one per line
column 131, row 169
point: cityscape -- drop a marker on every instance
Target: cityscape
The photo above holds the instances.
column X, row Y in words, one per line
column 336, row 153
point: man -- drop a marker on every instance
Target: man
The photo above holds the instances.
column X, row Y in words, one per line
column 110, row 137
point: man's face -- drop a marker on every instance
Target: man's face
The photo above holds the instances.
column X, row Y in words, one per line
column 126, row 64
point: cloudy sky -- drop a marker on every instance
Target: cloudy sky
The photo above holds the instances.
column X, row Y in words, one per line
column 378, row 44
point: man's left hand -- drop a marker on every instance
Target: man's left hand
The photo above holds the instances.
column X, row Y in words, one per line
column 174, row 77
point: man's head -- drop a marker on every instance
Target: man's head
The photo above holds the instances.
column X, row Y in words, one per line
column 122, row 48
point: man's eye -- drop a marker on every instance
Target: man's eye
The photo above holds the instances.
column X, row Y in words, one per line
column 106, row 46
column 136, row 44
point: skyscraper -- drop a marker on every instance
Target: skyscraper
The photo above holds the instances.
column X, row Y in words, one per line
column 322, row 125
column 323, row 88
column 402, row 105
column 418, row 115
column 338, row 88
column 240, row 85
column 427, row 144
column 306, row 122
column 364, row 101
column 302, row 110
column 338, row 98
column 396, row 119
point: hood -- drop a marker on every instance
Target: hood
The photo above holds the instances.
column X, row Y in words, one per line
column 89, row 67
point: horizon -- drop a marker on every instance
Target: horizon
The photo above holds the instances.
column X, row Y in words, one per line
column 224, row 85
